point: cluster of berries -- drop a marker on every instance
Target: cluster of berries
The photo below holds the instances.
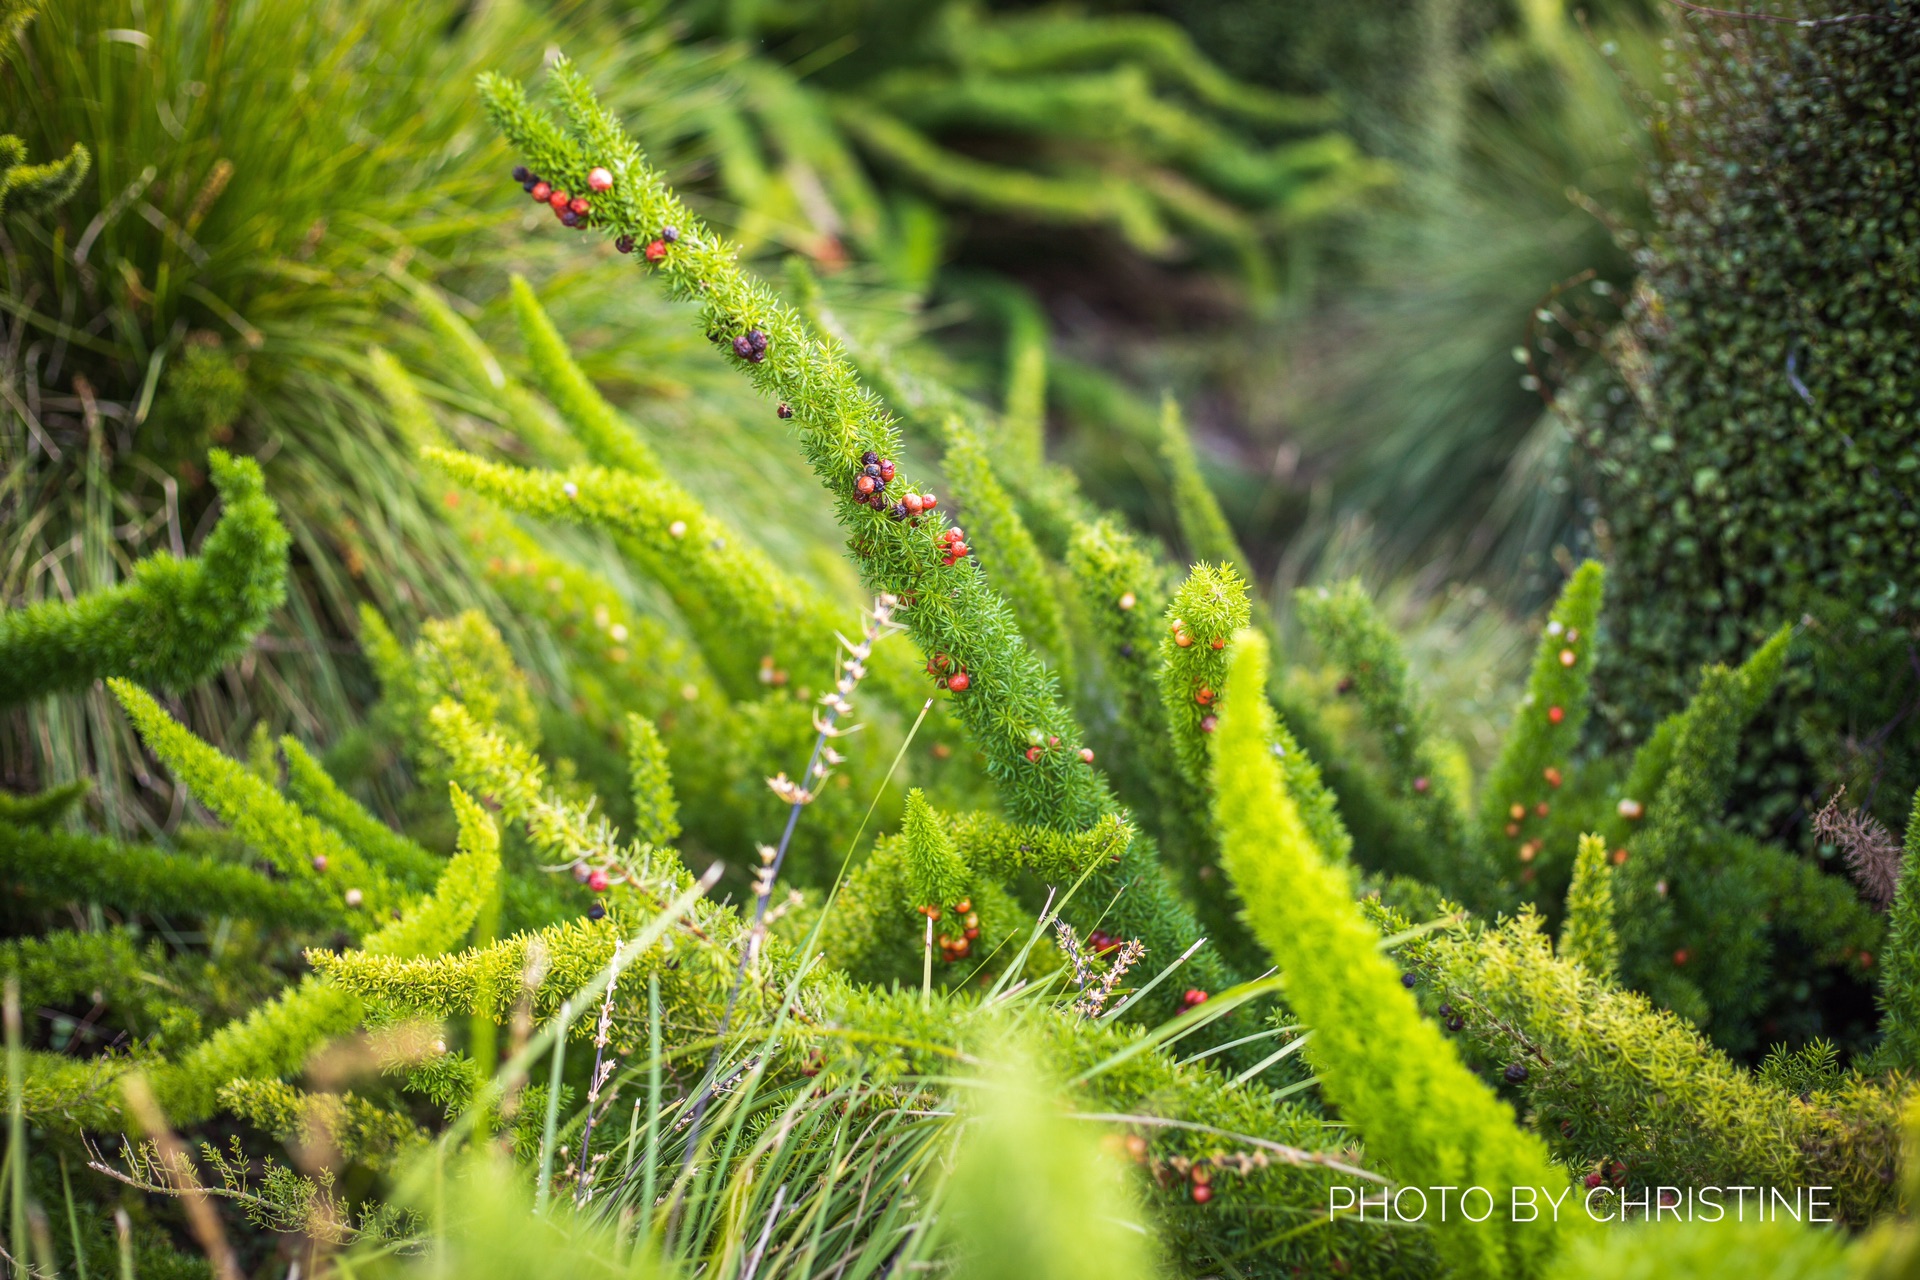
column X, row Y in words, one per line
column 1040, row 743
column 572, row 210
column 751, row 346
column 1102, row 942
column 947, row 673
column 1193, row 998
column 871, row 481
column 951, row 948
column 953, row 546
column 1454, row 1022
column 1184, row 637
column 656, row 249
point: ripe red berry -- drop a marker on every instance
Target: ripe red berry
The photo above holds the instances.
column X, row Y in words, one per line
column 1593, row 1180
column 540, row 191
column 1219, row 642
column 1556, row 715
column 1209, row 723
column 1086, row 755
column 559, row 200
column 913, row 504
column 598, row 881
column 958, row 682
column 1552, row 775
column 1204, row 697
column 886, row 469
column 928, row 502
column 579, row 205
column 1202, row 1193
column 1421, row 784
column 655, row 250
column 1681, row 956
column 1182, row 639
column 863, row 484
column 599, row 179
column 1033, row 753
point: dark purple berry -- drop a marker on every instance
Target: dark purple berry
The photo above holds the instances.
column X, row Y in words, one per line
column 1126, row 650
column 1407, row 980
column 1454, row 1024
column 623, row 243
column 872, row 469
column 742, row 347
column 669, row 234
column 596, row 911
column 870, row 458
column 522, row 176
column 569, row 218
column 1445, row 1009
column 785, row 410
column 898, row 511
column 758, row 339
column 1516, row 1074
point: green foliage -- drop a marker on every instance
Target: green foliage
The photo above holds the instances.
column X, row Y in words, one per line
column 936, row 877
column 1424, row 776
column 1768, row 407
column 1900, row 981
column 176, row 622
column 1588, row 938
column 1611, row 1078
column 1033, row 1195
column 1006, row 548
column 341, row 1126
column 64, row 866
column 36, row 188
column 301, row 847
column 1391, row 1072
column 655, row 811
column 1205, row 612
column 1202, row 526
column 1539, row 750
column 1011, row 709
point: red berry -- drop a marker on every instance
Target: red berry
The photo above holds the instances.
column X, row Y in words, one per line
column 579, row 205
column 928, row 502
column 886, row 469
column 913, row 504
column 863, row 484
column 1593, row 1180
column 655, row 250
column 1086, row 755
column 785, row 410
column 1202, row 1193
column 1209, row 723
column 971, row 934
column 1556, row 715
column 958, row 682
column 559, row 200
column 1182, row 639
column 598, row 881
column 1421, row 784
column 1219, row 642
column 1681, row 956
column 1204, row 697
column 540, row 191
column 599, row 179
column 1033, row 753
column 1552, row 775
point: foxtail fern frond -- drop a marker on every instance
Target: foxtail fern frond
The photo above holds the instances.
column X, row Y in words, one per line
column 1395, row 1078
column 176, row 622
